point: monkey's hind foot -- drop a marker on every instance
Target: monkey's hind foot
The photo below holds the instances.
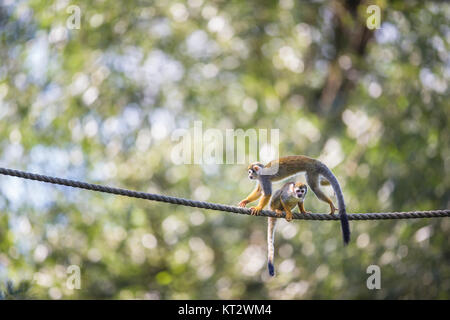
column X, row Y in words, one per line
column 279, row 213
column 333, row 209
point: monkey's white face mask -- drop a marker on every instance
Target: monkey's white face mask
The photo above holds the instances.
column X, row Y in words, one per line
column 254, row 171
column 298, row 191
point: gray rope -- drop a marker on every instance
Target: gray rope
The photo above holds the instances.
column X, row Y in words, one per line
column 219, row 207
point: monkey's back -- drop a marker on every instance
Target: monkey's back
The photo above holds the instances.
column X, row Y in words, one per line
column 290, row 165
column 288, row 198
column 275, row 202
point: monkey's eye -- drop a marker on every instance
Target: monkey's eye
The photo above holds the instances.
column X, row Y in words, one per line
column 250, row 171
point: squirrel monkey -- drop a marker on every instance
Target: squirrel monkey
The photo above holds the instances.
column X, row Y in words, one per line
column 284, row 199
column 285, row 167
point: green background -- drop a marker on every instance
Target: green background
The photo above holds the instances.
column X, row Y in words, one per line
column 100, row 103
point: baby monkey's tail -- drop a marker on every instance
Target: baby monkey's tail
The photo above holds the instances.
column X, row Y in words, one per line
column 271, row 223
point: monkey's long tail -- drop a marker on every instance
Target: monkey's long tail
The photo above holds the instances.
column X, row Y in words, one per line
column 324, row 171
column 271, row 223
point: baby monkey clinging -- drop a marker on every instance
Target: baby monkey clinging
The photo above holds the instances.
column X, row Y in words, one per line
column 285, row 199
column 289, row 196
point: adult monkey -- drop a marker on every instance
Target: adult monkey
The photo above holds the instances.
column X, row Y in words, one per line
column 288, row 166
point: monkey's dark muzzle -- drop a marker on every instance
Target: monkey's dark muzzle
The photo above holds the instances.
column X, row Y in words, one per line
column 300, row 194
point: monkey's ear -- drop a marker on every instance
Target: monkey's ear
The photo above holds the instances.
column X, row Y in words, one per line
column 291, row 187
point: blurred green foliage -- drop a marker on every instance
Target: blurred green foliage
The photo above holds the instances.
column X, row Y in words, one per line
column 99, row 104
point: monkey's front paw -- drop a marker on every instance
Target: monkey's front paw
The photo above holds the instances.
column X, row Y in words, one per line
column 255, row 211
column 243, row 203
column 288, row 216
column 279, row 213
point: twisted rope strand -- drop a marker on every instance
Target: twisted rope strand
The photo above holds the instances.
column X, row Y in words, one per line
column 219, row 207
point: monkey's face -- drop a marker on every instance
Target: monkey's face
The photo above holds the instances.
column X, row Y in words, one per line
column 300, row 190
column 254, row 170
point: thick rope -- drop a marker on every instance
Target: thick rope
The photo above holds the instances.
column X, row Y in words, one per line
column 220, row 207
